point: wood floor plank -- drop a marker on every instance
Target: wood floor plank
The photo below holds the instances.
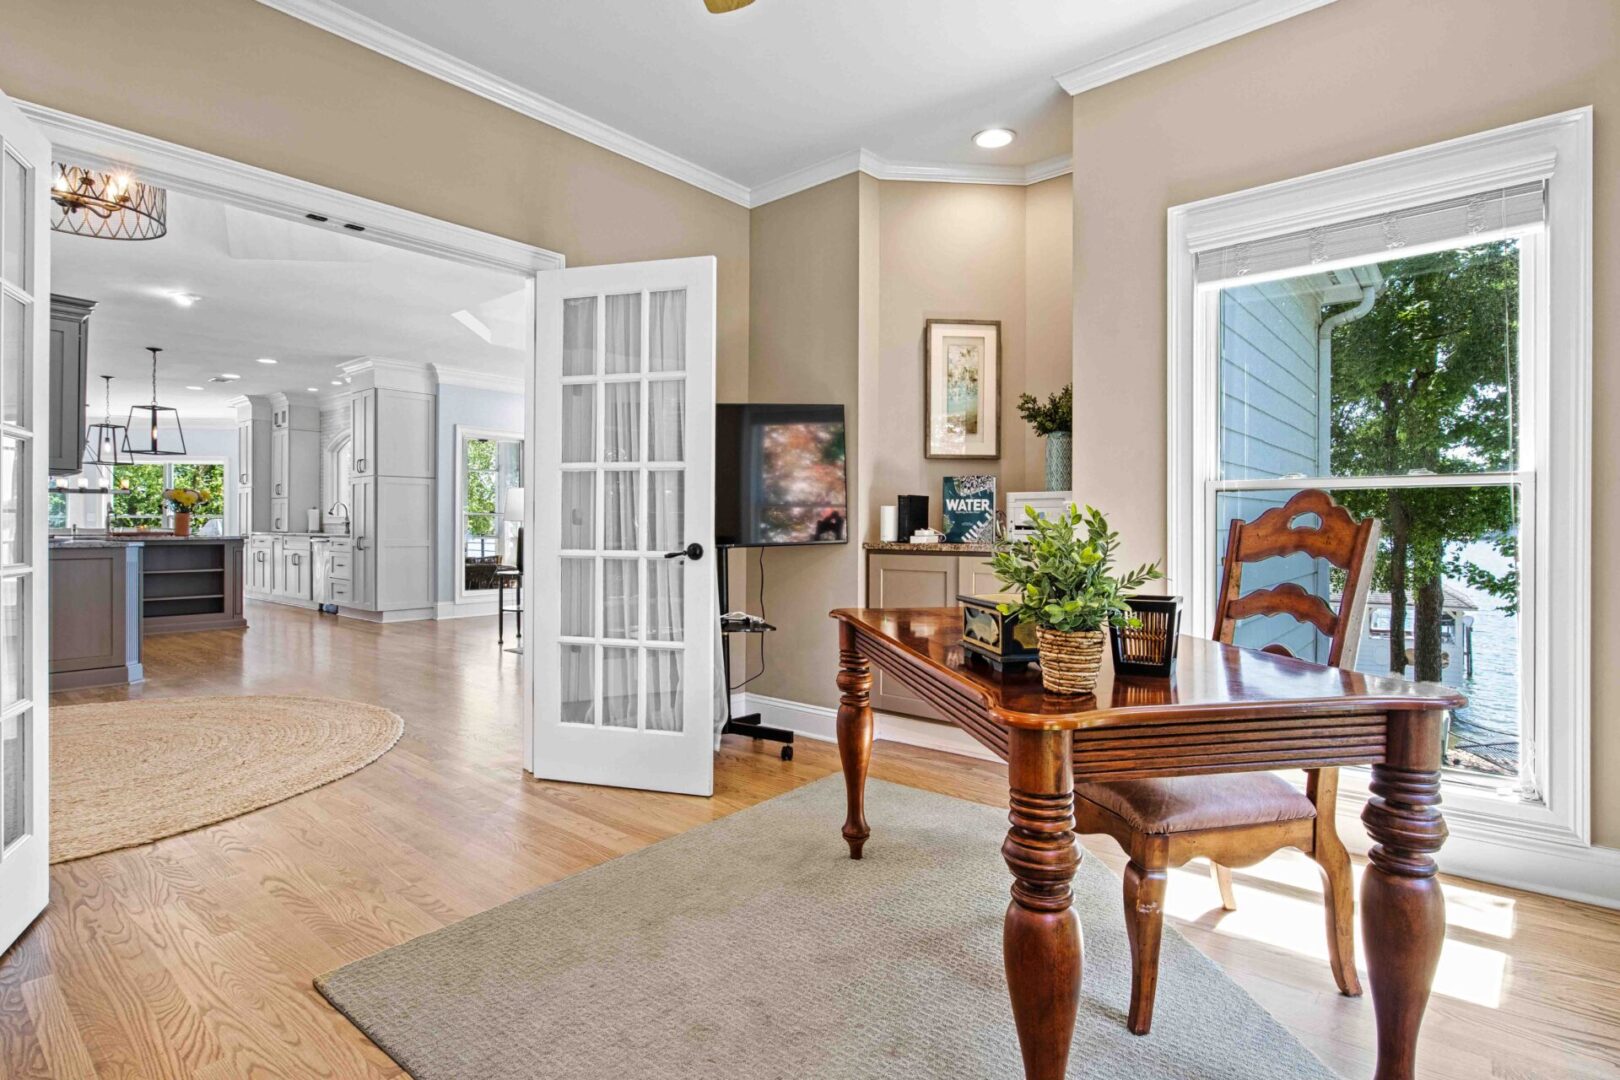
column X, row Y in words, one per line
column 192, row 958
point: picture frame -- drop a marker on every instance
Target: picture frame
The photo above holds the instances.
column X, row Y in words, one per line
column 962, row 389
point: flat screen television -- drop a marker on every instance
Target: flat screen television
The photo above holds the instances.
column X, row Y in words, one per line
column 779, row 475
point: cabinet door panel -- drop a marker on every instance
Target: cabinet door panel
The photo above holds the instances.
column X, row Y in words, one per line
column 975, row 578
column 908, row 581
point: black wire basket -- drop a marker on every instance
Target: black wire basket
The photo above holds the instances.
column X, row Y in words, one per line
column 1149, row 649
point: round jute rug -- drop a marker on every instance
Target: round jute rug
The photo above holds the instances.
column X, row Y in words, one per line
column 130, row 772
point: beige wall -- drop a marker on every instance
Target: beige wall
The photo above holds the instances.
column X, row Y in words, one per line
column 844, row 277
column 1344, row 83
column 805, row 338
column 240, row 80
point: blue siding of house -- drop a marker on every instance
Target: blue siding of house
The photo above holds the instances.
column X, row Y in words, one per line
column 1270, row 427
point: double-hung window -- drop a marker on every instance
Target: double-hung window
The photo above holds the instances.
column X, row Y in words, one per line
column 1409, row 336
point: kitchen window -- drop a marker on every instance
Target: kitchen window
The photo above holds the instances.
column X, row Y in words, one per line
column 137, row 493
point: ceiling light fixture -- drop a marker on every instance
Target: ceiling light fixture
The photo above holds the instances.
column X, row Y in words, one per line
column 229, row 376
column 265, row 360
column 313, row 389
column 184, row 299
column 109, row 206
column 159, row 430
column 994, row 138
column 193, row 388
column 337, row 382
column 106, row 439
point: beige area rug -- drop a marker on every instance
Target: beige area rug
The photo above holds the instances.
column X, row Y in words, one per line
column 754, row 949
column 130, row 772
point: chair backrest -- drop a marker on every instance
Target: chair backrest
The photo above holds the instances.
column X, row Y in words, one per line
column 1337, row 537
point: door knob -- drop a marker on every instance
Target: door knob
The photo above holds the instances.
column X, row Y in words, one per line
column 690, row 551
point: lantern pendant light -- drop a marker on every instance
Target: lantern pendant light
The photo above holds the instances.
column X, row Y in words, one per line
column 157, row 431
column 104, row 441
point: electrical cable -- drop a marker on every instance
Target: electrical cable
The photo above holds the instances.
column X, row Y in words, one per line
column 761, row 670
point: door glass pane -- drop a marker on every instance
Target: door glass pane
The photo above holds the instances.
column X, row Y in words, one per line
column 13, row 627
column 666, row 607
column 578, row 511
column 619, row 687
column 579, row 336
column 578, row 678
column 16, row 795
column 621, row 512
column 13, row 222
column 579, row 423
column 621, row 600
column 1385, row 369
column 666, row 331
column 666, row 506
column 623, row 334
column 12, row 531
column 664, row 705
column 1457, row 607
column 621, row 422
column 13, row 371
column 579, row 597
column 666, row 420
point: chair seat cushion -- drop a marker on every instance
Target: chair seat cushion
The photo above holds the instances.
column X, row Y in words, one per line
column 1188, row 803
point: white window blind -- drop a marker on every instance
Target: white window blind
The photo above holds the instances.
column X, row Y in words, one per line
column 1482, row 215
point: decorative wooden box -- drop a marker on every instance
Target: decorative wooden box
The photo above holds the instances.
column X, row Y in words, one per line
column 1149, row 649
column 1000, row 639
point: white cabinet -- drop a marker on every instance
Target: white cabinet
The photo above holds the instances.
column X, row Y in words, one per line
column 362, row 422
column 261, row 567
column 253, row 464
column 295, row 463
column 292, row 568
column 363, row 530
column 392, row 433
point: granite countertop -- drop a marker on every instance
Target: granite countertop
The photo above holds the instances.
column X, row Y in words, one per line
column 133, row 540
column 89, row 543
column 923, row 549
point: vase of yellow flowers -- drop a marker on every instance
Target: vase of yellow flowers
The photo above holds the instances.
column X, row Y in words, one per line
column 181, row 501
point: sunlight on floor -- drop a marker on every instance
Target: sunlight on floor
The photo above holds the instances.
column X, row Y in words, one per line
column 1280, row 904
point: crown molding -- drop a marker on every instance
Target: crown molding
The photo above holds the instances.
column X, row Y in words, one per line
column 373, row 35
column 880, row 168
column 477, row 380
column 1163, row 48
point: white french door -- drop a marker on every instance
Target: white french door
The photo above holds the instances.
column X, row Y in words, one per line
column 620, row 583
column 25, row 170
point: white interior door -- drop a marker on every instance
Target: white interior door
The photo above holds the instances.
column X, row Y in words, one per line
column 25, row 177
column 620, row 584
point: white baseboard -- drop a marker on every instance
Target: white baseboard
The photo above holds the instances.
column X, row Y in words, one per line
column 1590, row 875
column 463, row 609
column 401, row 615
column 820, row 722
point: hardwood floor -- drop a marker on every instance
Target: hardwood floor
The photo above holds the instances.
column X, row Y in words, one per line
column 192, row 957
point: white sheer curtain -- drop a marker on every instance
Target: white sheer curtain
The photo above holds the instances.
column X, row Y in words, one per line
column 623, row 333
column 666, row 331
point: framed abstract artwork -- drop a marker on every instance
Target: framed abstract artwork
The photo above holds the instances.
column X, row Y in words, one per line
column 962, row 388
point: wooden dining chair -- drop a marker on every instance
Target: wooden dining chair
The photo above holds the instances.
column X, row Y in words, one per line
column 1238, row 819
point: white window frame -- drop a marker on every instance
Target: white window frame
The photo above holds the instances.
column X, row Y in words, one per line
column 1555, row 449
column 465, row 435
column 226, row 492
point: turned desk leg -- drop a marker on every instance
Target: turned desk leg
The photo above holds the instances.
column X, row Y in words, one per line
column 854, row 735
column 1403, row 915
column 1041, row 936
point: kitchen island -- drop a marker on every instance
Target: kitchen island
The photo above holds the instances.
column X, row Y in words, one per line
column 108, row 592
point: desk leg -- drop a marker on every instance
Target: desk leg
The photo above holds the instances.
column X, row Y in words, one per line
column 1041, row 936
column 1403, row 915
column 854, row 734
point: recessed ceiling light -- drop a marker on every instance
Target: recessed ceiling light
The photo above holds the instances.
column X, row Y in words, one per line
column 193, row 388
column 265, row 360
column 184, row 299
column 337, row 382
column 229, row 376
column 993, row 138
column 313, row 389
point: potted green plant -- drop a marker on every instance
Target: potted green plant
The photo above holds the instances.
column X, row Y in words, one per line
column 1053, row 420
column 1062, row 574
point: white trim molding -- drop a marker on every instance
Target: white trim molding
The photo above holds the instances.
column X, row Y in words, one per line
column 385, row 41
column 478, row 380
column 1163, row 48
column 181, row 168
column 1491, row 830
column 373, row 35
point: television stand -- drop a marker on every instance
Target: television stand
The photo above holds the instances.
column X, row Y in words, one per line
column 749, row 724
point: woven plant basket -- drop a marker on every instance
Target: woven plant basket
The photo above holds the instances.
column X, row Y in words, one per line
column 1070, row 660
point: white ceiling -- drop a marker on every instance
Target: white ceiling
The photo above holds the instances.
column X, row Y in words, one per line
column 303, row 296
column 754, row 96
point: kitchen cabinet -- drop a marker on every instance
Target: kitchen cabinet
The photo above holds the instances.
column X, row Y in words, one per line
column 292, row 570
column 923, row 579
column 392, row 433
column 253, row 464
column 70, row 376
column 95, row 614
column 261, row 569
column 295, row 463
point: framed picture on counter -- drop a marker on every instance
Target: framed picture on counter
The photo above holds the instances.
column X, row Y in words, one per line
column 962, row 389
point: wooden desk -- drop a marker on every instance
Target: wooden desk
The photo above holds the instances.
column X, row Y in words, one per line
column 1228, row 710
